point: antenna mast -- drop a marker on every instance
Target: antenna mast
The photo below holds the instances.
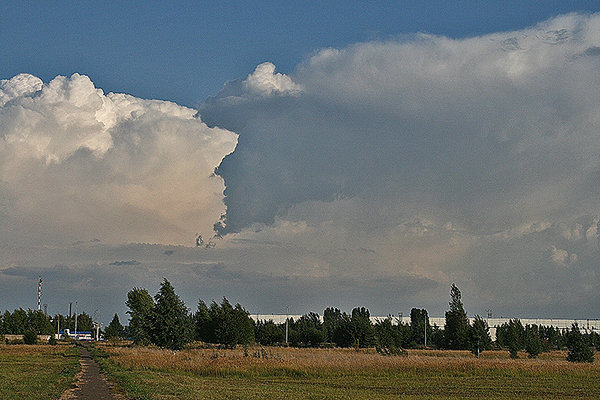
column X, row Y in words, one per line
column 40, row 293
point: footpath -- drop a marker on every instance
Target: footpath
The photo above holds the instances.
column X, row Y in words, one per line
column 91, row 384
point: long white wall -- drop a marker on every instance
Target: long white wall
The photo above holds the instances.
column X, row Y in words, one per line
column 586, row 325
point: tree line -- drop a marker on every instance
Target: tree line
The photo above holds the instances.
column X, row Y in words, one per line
column 20, row 322
column 165, row 321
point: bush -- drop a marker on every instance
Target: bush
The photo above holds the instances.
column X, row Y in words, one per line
column 30, row 337
column 52, row 340
column 391, row 351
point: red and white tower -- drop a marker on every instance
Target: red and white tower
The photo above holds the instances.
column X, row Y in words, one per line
column 40, row 294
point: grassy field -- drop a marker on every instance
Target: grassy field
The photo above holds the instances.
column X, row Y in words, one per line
column 286, row 373
column 36, row 372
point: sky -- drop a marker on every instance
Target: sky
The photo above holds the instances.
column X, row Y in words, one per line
column 332, row 154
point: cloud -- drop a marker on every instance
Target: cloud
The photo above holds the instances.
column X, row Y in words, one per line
column 444, row 157
column 375, row 174
column 265, row 82
column 474, row 127
column 562, row 257
column 76, row 163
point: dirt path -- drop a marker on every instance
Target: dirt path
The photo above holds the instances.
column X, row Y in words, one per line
column 91, row 384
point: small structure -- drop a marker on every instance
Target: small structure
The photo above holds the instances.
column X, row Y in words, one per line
column 79, row 336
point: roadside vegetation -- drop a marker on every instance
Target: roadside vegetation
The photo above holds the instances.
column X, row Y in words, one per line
column 36, row 372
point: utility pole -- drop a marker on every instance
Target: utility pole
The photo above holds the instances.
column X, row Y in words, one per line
column 76, row 319
column 96, row 325
column 287, row 318
column 425, row 324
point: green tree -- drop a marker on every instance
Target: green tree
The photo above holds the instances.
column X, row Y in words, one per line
column 511, row 334
column 114, row 330
column 580, row 349
column 171, row 324
column 479, row 336
column 140, row 305
column 343, row 335
column 332, row 318
column 387, row 334
column 310, row 330
column 364, row 332
column 232, row 325
column 203, row 327
column 532, row 341
column 15, row 323
column 457, row 327
column 84, row 323
column 268, row 333
column 419, row 322
column 39, row 322
column 437, row 337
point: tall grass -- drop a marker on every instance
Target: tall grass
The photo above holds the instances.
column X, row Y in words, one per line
column 344, row 373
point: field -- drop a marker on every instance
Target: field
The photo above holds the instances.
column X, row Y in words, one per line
column 36, row 372
column 287, row 373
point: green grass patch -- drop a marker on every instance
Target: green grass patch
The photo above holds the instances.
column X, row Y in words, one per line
column 36, row 372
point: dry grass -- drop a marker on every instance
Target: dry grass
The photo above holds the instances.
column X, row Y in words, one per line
column 344, row 360
column 151, row 373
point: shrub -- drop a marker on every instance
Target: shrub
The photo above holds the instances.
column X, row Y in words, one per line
column 52, row 340
column 30, row 337
column 391, row 351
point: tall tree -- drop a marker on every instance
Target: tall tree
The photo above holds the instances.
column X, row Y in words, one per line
column 532, row 341
column 512, row 334
column 479, row 336
column 343, row 335
column 419, row 322
column 39, row 322
column 387, row 334
column 457, row 326
column 310, row 330
column 172, row 326
column 84, row 323
column 364, row 332
column 232, row 325
column 332, row 317
column 580, row 349
column 114, row 330
column 204, row 329
column 140, row 305
column 15, row 323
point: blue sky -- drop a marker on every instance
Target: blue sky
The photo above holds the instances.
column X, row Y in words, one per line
column 346, row 154
column 185, row 51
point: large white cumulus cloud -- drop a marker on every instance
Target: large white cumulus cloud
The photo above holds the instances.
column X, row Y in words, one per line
column 76, row 163
column 442, row 159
